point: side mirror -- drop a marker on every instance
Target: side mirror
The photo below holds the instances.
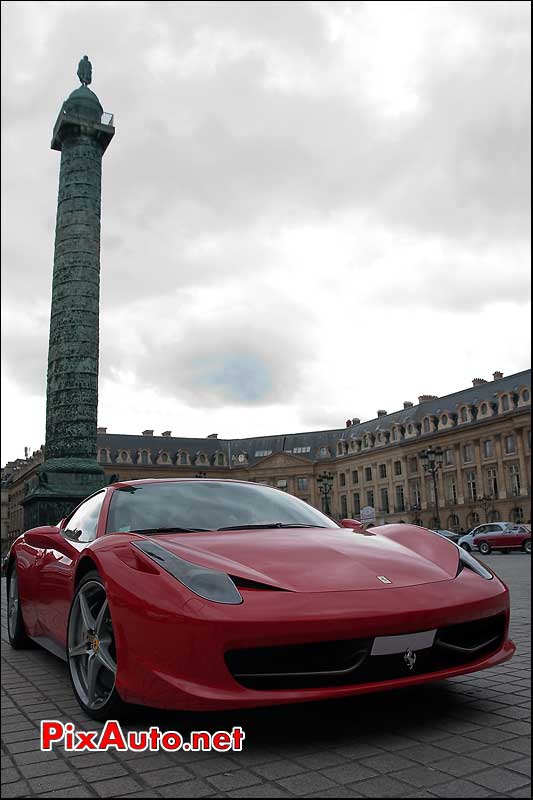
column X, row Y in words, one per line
column 42, row 538
column 354, row 524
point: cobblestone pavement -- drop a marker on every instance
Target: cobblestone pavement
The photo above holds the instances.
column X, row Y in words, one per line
column 467, row 737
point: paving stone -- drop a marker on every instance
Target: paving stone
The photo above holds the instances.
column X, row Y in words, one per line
column 194, row 788
column 381, row 786
column 306, row 783
column 265, row 790
column 278, row 769
column 10, row 775
column 523, row 766
column 388, row 762
column 459, row 765
column 420, row 776
column 17, row 789
column 460, row 788
column 159, row 777
column 500, row 779
column 116, row 787
column 349, row 773
column 238, row 779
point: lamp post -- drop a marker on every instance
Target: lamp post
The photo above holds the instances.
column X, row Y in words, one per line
column 325, row 483
column 432, row 462
column 485, row 501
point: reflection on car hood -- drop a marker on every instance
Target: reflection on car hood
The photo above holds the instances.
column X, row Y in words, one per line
column 320, row 560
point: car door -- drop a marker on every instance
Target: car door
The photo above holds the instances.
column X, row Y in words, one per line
column 496, row 535
column 515, row 535
column 58, row 563
column 477, row 534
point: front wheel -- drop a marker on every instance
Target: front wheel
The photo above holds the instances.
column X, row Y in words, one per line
column 466, row 546
column 527, row 546
column 18, row 638
column 485, row 548
column 91, row 651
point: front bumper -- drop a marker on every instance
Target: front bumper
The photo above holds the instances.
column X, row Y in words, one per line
column 177, row 660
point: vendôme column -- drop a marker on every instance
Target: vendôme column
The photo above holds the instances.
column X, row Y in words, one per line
column 70, row 471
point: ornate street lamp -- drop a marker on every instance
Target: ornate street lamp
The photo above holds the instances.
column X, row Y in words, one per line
column 432, row 459
column 486, row 501
column 325, row 484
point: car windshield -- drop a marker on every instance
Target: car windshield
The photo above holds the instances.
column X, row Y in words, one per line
column 183, row 506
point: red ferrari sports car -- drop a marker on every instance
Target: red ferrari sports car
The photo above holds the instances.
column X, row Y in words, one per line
column 211, row 594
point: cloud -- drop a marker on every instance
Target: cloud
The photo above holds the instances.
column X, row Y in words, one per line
column 281, row 174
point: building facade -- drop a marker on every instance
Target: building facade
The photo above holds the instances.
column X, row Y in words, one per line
column 484, row 432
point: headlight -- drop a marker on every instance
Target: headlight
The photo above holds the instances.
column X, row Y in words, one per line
column 467, row 560
column 206, row 583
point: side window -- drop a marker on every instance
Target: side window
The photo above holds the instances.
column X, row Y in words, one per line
column 481, row 529
column 83, row 523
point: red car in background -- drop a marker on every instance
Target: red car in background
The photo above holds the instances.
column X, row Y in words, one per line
column 504, row 537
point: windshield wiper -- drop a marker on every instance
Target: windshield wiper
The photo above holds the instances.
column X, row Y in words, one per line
column 268, row 525
column 174, row 529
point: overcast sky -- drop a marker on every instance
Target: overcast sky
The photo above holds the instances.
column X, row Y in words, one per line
column 309, row 210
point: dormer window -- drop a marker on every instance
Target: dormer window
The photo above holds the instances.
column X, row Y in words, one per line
column 427, row 425
column 464, row 414
column 444, row 419
column 526, row 396
column 505, row 403
column 483, row 408
column 144, row 457
column 183, row 458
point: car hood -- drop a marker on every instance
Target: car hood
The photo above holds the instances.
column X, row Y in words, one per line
column 320, row 560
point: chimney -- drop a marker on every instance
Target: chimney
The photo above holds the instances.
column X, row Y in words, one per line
column 423, row 398
column 166, row 433
column 382, row 412
column 213, row 436
column 478, row 381
column 101, row 430
column 148, row 433
column 348, row 423
column 407, row 404
column 497, row 375
column 356, row 421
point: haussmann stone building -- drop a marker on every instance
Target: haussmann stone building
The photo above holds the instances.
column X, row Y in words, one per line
column 484, row 432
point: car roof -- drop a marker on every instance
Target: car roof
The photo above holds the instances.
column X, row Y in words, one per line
column 141, row 481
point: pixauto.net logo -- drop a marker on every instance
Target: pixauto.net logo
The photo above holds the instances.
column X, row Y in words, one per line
column 112, row 737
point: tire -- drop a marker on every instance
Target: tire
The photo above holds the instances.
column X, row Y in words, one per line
column 466, row 546
column 526, row 547
column 485, row 548
column 91, row 652
column 18, row 638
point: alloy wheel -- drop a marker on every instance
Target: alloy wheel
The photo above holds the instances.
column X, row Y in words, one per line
column 91, row 646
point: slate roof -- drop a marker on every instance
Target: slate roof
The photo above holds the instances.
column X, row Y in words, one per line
column 450, row 404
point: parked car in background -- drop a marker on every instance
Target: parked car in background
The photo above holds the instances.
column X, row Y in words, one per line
column 467, row 541
column 504, row 536
column 451, row 535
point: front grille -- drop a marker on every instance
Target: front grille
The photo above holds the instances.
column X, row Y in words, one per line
column 348, row 662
